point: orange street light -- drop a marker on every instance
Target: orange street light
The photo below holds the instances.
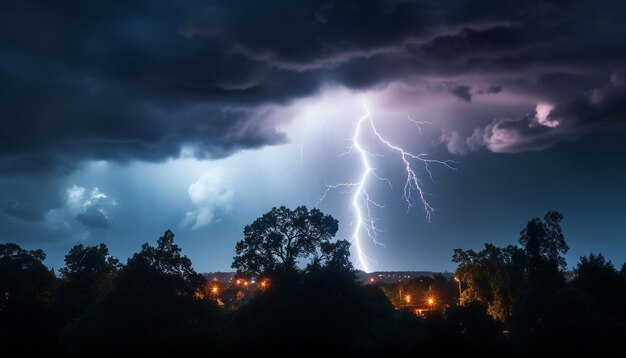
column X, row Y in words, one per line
column 372, row 280
column 407, row 298
column 456, row 278
column 214, row 289
column 431, row 301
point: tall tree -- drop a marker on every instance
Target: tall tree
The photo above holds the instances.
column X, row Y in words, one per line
column 84, row 262
column 598, row 278
column 25, row 281
column 27, row 288
column 165, row 264
column 151, row 308
column 514, row 278
column 544, row 246
column 493, row 276
column 544, row 242
column 282, row 237
column 87, row 275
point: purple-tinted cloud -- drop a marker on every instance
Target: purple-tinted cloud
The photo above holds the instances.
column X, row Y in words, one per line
column 143, row 80
column 548, row 124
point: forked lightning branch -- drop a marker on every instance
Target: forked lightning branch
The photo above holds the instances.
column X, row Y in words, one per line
column 362, row 202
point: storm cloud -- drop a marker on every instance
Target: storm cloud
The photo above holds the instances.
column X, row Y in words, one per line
column 146, row 80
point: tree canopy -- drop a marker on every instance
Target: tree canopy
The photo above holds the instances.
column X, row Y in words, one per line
column 84, row 262
column 282, row 237
column 544, row 242
column 165, row 264
column 493, row 276
column 26, row 293
column 152, row 307
column 500, row 277
column 25, row 280
column 515, row 299
column 87, row 275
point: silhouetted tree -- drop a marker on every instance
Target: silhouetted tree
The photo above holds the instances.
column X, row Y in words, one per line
column 396, row 335
column 544, row 247
column 471, row 329
column 622, row 271
column 597, row 277
column 590, row 313
column 87, row 275
column 26, row 292
column 152, row 308
column 464, row 330
column 317, row 306
column 164, row 263
column 282, row 237
column 445, row 290
column 544, row 243
column 572, row 323
column 321, row 310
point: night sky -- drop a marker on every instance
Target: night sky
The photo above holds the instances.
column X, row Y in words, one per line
column 119, row 120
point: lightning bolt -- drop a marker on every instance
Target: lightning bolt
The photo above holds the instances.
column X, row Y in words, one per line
column 362, row 202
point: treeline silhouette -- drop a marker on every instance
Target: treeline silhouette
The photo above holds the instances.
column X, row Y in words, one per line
column 516, row 299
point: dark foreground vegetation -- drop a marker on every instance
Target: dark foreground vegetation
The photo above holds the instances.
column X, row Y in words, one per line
column 516, row 299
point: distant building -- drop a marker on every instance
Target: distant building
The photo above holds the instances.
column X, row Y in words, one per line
column 397, row 276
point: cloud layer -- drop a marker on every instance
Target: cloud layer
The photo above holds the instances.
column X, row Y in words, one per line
column 89, row 208
column 210, row 195
column 144, row 80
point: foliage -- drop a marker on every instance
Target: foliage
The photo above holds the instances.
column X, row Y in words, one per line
column 493, row 276
column 597, row 277
column 88, row 274
column 319, row 310
column 459, row 330
column 313, row 302
column 25, row 282
column 544, row 247
column 279, row 239
column 512, row 278
column 164, row 265
column 151, row 307
column 87, row 262
column 27, row 289
column 544, row 243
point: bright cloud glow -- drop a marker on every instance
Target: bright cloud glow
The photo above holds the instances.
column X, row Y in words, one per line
column 210, row 195
column 91, row 209
column 542, row 112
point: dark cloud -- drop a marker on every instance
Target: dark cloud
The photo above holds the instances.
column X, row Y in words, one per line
column 93, row 218
column 23, row 212
column 462, row 92
column 142, row 80
column 494, row 89
column 27, row 199
column 604, row 107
